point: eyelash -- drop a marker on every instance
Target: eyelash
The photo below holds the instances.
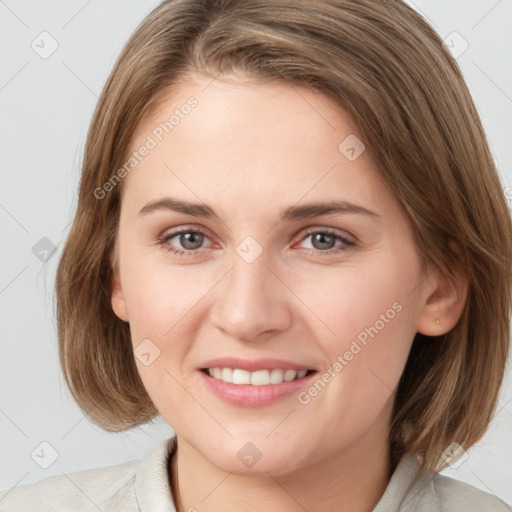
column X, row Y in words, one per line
column 349, row 244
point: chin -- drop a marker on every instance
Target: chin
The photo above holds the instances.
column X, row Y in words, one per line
column 258, row 458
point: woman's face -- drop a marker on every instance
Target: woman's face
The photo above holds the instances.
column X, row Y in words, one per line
column 260, row 273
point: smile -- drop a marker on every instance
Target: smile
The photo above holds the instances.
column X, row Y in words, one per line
column 255, row 389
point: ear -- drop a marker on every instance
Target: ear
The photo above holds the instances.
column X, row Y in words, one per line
column 117, row 298
column 443, row 300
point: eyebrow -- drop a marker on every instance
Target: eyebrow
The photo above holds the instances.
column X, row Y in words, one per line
column 305, row 211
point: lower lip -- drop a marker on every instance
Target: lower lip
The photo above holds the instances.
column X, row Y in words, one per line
column 247, row 395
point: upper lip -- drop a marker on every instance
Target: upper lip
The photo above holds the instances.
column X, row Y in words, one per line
column 253, row 365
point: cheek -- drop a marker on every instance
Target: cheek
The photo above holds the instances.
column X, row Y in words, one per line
column 365, row 322
column 352, row 297
column 164, row 303
column 161, row 305
column 160, row 298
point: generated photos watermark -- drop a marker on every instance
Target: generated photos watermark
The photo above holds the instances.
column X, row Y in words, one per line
column 357, row 345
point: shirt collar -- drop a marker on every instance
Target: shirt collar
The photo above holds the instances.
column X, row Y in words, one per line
column 153, row 492
column 406, row 486
column 151, row 480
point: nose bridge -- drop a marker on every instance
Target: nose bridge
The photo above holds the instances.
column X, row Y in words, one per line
column 250, row 300
column 248, row 277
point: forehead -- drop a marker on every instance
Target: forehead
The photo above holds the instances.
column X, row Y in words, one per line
column 266, row 139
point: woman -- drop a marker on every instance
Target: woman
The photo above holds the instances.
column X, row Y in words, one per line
column 292, row 243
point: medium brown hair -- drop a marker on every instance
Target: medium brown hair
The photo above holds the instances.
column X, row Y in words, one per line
column 391, row 72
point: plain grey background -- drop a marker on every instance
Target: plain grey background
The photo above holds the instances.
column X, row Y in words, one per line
column 56, row 58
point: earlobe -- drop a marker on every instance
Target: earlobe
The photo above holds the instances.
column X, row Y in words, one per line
column 443, row 303
column 117, row 298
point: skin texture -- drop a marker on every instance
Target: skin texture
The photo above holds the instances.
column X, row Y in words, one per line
column 249, row 150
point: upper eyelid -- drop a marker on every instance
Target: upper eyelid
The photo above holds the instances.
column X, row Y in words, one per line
column 337, row 232
column 180, row 230
column 206, row 231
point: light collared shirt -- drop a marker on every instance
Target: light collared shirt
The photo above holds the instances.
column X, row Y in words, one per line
column 143, row 485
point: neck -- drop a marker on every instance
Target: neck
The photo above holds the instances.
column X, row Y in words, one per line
column 350, row 480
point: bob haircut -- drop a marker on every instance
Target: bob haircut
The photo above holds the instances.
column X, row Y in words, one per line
column 392, row 74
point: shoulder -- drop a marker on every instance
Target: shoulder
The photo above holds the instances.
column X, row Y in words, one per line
column 427, row 491
column 455, row 495
column 412, row 489
column 91, row 489
column 124, row 487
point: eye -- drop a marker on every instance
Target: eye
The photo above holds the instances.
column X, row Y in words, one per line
column 190, row 240
column 324, row 241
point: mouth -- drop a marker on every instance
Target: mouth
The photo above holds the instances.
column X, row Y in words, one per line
column 262, row 377
column 251, row 383
column 255, row 389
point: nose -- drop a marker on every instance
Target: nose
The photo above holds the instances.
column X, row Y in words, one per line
column 252, row 301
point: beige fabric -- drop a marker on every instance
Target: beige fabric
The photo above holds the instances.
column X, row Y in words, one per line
column 143, row 486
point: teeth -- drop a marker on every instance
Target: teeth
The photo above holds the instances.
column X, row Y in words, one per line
column 258, row 378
